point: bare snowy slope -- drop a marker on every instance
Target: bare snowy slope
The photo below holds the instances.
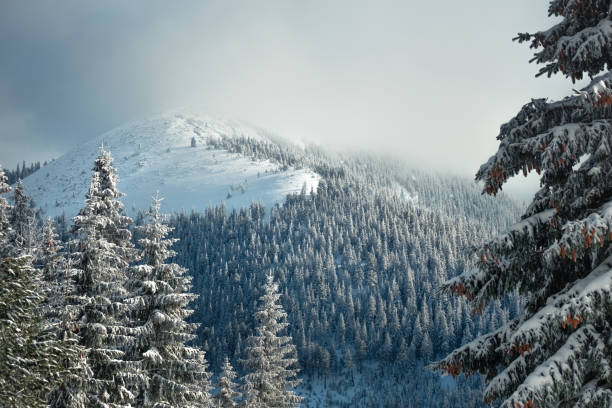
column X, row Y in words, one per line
column 156, row 154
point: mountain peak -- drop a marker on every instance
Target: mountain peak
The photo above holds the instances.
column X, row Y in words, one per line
column 174, row 154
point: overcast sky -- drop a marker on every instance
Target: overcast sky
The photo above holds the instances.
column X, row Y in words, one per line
column 428, row 81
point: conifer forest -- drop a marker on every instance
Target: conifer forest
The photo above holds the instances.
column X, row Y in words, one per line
column 182, row 261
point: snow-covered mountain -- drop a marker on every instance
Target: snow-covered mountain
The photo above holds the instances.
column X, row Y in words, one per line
column 156, row 154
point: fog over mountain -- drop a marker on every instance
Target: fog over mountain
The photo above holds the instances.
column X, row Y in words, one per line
column 394, row 78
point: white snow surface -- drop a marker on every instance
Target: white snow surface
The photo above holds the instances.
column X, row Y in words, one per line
column 156, row 155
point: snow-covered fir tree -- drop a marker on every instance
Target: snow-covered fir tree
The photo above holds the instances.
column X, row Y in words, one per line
column 56, row 287
column 23, row 380
column 271, row 357
column 160, row 291
column 4, row 207
column 228, row 395
column 23, row 235
column 30, row 353
column 558, row 353
column 101, row 254
column 53, row 267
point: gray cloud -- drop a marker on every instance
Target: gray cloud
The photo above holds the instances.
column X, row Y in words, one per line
column 428, row 81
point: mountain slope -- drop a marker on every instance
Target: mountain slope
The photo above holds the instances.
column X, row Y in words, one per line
column 358, row 261
column 157, row 154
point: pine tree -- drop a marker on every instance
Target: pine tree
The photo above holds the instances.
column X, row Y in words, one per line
column 160, row 296
column 228, row 395
column 101, row 254
column 270, row 356
column 559, row 351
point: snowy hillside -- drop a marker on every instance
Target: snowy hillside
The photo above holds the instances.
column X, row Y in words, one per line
column 156, row 154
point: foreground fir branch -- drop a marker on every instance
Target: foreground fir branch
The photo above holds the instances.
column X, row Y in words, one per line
column 559, row 257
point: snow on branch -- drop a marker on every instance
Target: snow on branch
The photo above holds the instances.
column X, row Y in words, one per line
column 578, row 304
column 475, row 356
column 562, row 375
column 578, row 44
column 486, row 281
column 583, row 236
column 553, row 136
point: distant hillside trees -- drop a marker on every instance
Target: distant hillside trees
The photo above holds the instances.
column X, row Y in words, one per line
column 22, row 171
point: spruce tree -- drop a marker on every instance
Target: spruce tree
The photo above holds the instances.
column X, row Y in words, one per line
column 160, row 291
column 227, row 396
column 271, row 357
column 101, row 254
column 558, row 353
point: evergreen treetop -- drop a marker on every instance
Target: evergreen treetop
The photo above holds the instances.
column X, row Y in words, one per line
column 160, row 295
column 228, row 395
column 580, row 43
column 101, row 254
column 271, row 357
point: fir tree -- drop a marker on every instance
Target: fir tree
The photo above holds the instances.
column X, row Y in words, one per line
column 228, row 395
column 23, row 378
column 23, row 222
column 55, row 272
column 101, row 254
column 29, row 352
column 270, row 356
column 558, row 353
column 177, row 375
column 53, row 267
column 4, row 207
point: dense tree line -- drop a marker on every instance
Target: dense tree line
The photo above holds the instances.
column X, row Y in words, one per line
column 99, row 322
column 359, row 261
column 22, row 171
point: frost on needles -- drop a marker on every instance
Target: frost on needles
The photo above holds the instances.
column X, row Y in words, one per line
column 559, row 257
